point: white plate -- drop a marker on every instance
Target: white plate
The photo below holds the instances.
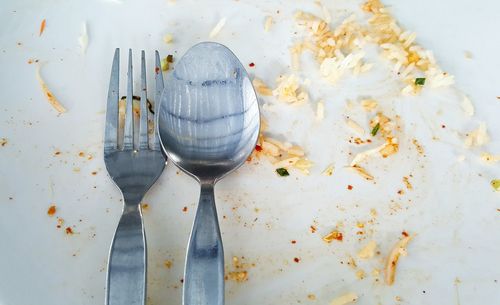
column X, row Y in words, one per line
column 452, row 209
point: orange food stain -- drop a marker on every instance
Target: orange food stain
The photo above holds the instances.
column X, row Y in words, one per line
column 52, row 210
column 42, row 27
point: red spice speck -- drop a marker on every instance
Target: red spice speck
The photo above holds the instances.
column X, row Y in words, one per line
column 294, row 242
column 349, row 187
column 251, row 65
column 69, row 231
column 258, row 147
column 157, row 70
column 52, row 210
column 404, row 233
column 296, row 259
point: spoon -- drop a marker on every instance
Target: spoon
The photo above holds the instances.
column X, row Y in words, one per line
column 208, row 122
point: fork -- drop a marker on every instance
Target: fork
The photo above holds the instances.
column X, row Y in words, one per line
column 134, row 164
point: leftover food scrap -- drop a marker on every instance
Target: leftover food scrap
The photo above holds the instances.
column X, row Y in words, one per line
column 48, row 94
column 345, row 299
column 393, row 258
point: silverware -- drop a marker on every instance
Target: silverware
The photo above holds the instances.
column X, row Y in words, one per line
column 134, row 164
column 208, row 123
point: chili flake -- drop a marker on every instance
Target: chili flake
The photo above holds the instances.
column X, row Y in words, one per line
column 52, row 210
column 42, row 27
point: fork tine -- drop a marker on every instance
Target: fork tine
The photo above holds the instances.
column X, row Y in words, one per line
column 143, row 125
column 111, row 128
column 128, row 134
column 158, row 91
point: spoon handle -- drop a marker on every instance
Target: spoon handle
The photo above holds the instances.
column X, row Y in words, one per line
column 204, row 273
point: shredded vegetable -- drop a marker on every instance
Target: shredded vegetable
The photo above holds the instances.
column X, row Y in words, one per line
column 48, row 94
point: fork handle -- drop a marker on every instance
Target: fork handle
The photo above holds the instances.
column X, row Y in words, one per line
column 204, row 273
column 126, row 280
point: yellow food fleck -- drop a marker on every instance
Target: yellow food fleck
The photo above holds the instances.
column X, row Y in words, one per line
column 406, row 180
column 345, row 299
column 368, row 251
column 167, row 263
column 334, row 235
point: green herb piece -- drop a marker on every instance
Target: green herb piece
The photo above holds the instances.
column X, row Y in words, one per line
column 495, row 183
column 375, row 129
column 282, row 172
column 420, row 81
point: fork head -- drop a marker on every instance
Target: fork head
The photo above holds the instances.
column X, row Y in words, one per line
column 131, row 151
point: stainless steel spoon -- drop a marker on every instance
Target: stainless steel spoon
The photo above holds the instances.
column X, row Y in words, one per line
column 208, row 123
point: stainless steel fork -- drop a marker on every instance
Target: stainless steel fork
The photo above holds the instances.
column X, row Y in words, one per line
column 134, row 164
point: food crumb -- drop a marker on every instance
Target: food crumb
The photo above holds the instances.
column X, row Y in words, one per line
column 368, row 251
column 313, row 229
column 293, row 242
column 69, row 231
column 406, row 180
column 419, row 147
column 268, row 23
column 218, row 27
column 94, row 173
column 145, row 206
column 311, row 297
column 60, row 222
column 81, row 154
column 237, row 276
column 349, row 187
column 495, row 184
column 296, row 259
column 334, row 235
column 51, row 210
column 185, row 209
column 167, row 263
column 3, row 142
column 57, row 153
column 345, row 299
column 42, row 27
column 251, row 65
column 360, row 274
column 328, row 170
column 168, row 38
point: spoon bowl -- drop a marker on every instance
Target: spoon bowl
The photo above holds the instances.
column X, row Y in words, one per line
column 209, row 115
column 208, row 123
